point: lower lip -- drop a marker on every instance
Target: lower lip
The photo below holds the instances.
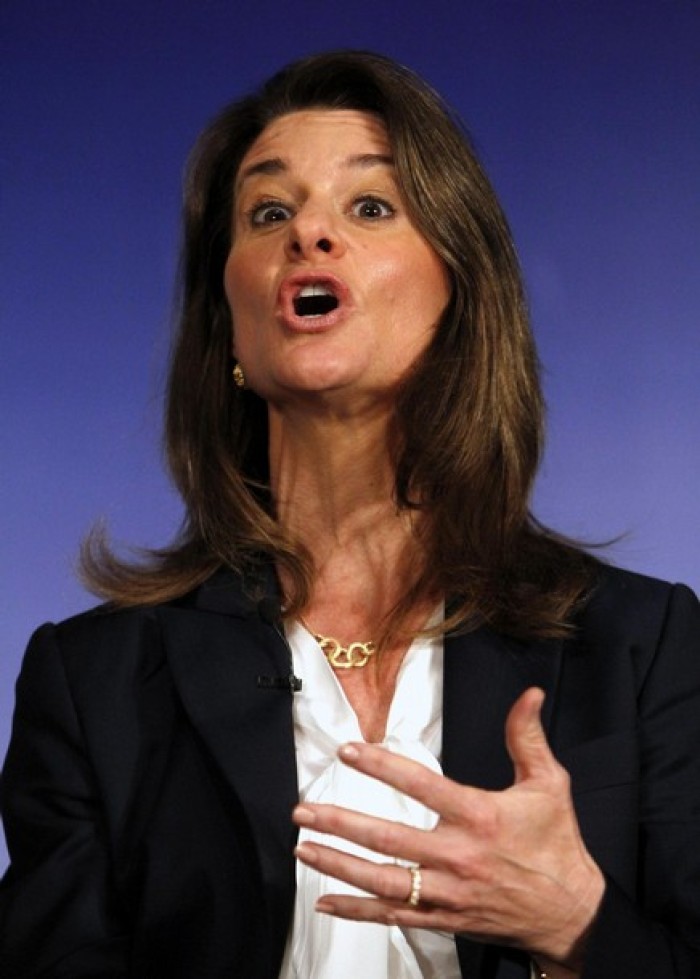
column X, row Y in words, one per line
column 313, row 324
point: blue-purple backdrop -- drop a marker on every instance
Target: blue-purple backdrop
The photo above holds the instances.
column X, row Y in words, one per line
column 587, row 116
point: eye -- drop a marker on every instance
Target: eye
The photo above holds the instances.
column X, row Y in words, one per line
column 269, row 212
column 372, row 209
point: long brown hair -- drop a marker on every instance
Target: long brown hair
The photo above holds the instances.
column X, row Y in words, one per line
column 469, row 417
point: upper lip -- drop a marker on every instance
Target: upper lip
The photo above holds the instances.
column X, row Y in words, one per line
column 291, row 286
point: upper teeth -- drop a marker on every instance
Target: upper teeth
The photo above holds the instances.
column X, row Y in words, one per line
column 315, row 289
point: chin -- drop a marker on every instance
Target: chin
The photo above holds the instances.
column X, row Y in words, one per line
column 310, row 373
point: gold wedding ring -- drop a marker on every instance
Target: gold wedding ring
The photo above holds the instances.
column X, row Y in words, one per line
column 416, row 884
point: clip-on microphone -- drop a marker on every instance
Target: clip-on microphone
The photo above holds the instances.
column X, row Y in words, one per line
column 270, row 612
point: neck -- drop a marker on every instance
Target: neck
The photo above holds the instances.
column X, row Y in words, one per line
column 331, row 477
column 333, row 481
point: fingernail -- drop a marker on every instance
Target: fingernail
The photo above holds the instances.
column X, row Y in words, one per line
column 305, row 853
column 304, row 817
column 324, row 906
column 348, row 752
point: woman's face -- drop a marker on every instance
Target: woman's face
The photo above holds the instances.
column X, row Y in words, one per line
column 332, row 289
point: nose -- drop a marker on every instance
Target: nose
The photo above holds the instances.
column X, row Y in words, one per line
column 312, row 235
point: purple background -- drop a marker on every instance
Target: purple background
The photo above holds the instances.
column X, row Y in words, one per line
column 587, row 116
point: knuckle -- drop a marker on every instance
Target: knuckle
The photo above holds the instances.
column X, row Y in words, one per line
column 332, row 816
column 388, row 839
column 463, row 863
column 454, row 899
column 418, row 782
column 379, row 883
column 391, row 885
column 487, row 823
column 561, row 778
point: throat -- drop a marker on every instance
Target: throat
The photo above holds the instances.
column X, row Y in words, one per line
column 370, row 693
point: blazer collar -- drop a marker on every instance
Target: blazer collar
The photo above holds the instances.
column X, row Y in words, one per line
column 230, row 592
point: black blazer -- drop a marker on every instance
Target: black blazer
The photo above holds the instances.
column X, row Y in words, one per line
column 150, row 778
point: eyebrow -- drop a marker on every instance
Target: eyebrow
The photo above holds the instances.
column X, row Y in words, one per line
column 275, row 165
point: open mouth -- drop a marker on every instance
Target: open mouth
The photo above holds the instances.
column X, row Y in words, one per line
column 317, row 299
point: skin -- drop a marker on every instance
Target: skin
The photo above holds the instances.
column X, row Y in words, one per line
column 331, row 180
column 316, row 195
column 504, row 866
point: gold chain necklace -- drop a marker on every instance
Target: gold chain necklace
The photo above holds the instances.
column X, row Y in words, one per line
column 356, row 654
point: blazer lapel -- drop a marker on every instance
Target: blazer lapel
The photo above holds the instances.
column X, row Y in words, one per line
column 483, row 676
column 217, row 652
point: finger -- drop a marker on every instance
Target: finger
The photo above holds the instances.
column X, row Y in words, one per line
column 377, row 909
column 390, row 881
column 448, row 799
column 382, row 836
column 388, row 913
column 526, row 740
column 385, row 880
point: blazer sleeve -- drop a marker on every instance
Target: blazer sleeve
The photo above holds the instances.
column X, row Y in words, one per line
column 656, row 932
column 59, row 917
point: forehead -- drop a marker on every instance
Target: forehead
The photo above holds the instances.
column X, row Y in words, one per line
column 340, row 131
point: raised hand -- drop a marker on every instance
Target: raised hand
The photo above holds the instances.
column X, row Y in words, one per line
column 507, row 866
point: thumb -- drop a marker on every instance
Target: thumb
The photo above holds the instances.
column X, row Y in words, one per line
column 525, row 738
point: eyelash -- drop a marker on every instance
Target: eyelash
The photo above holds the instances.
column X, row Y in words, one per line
column 256, row 214
column 380, row 202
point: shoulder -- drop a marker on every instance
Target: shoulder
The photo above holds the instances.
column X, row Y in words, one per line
column 91, row 657
column 105, row 644
column 121, row 644
column 633, row 601
column 104, row 669
column 95, row 634
column 640, row 614
column 107, row 625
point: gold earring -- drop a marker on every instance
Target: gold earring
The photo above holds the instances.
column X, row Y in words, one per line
column 238, row 376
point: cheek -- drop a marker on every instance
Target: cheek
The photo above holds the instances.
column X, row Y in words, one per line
column 246, row 290
column 417, row 285
column 236, row 281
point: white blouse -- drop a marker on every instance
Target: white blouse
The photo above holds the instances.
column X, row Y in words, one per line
column 321, row 946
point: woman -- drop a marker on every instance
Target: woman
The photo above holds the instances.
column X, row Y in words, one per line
column 356, row 481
